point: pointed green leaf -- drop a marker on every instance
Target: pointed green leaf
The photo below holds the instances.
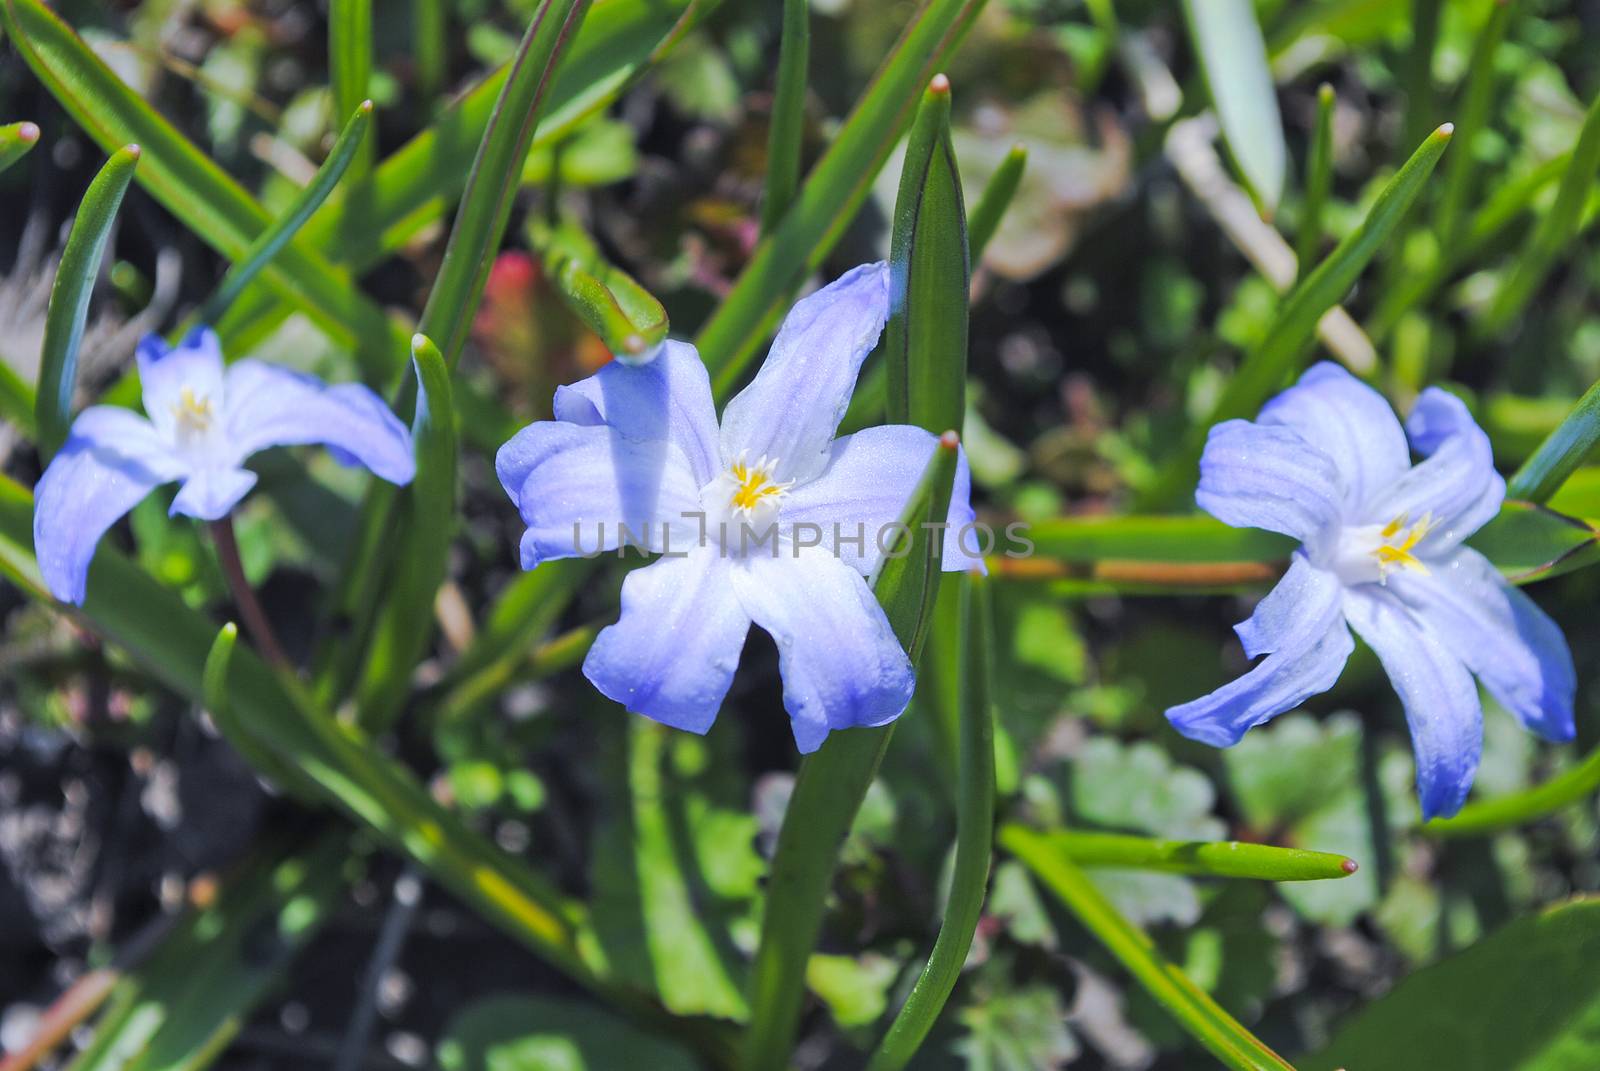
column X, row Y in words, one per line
column 1222, row 858
column 279, row 233
column 1222, row 1035
column 69, row 297
column 995, row 199
column 833, row 191
column 1530, row 542
column 1471, row 116
column 428, row 524
column 626, row 316
column 1280, row 351
column 15, row 141
column 974, row 838
column 1233, row 57
column 787, row 125
column 495, row 177
column 1562, row 451
column 350, row 64
column 925, row 341
column 1319, row 180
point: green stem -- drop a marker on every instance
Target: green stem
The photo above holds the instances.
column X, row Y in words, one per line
column 1222, row 1035
column 244, row 597
column 974, row 839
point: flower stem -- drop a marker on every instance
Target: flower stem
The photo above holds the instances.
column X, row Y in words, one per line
column 255, row 619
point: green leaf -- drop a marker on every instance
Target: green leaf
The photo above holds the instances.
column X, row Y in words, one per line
column 786, row 129
column 513, row 1032
column 974, row 836
column 69, row 297
column 1017, row 1030
column 1561, row 452
column 495, row 176
column 1233, row 58
column 833, row 191
column 188, row 184
column 1529, row 542
column 15, row 141
column 1527, row 998
column 925, row 341
column 1319, row 180
column 279, row 233
column 830, row 788
column 1471, row 116
column 1213, row 858
column 626, row 316
column 1179, row 538
column 1222, row 1035
column 1280, row 352
column 995, row 199
column 350, row 63
column 427, row 525
column 1556, row 231
column 178, row 1009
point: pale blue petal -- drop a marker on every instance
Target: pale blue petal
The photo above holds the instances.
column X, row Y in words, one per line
column 1349, row 422
column 165, row 373
column 211, row 494
column 1300, row 622
column 1253, row 476
column 266, row 405
column 841, row 664
column 1456, row 485
column 672, row 654
column 110, row 461
column 1438, row 693
column 862, row 493
column 791, row 409
column 667, row 399
column 1512, row 646
column 576, row 487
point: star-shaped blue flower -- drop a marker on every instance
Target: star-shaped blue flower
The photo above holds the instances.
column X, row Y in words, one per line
column 203, row 422
column 1327, row 463
column 758, row 520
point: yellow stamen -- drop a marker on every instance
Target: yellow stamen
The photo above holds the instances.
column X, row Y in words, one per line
column 1392, row 555
column 754, row 484
column 192, row 411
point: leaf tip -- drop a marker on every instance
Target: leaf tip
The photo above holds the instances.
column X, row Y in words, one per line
column 132, row 151
column 949, row 440
column 1350, row 866
column 1445, row 130
column 365, row 107
column 940, row 84
column 1325, row 94
column 28, row 132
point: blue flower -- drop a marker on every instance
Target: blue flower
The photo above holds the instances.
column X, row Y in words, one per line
column 1327, row 463
column 768, row 519
column 203, row 423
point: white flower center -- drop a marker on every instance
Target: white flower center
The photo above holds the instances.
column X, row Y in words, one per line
column 193, row 417
column 1369, row 553
column 743, row 502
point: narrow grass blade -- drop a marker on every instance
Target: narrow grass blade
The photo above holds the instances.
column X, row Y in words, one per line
column 69, row 297
column 787, row 125
column 1555, row 231
column 428, row 525
column 496, row 176
column 1218, row 859
column 1279, row 352
column 1193, row 1009
column 277, row 235
column 15, row 141
column 1188, row 538
column 187, row 183
column 995, row 199
column 626, row 316
column 1471, row 116
column 833, row 191
column 429, row 37
column 1319, row 180
column 350, row 65
column 925, row 341
column 974, row 838
column 828, row 792
column 1233, row 58
column 1562, row 451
